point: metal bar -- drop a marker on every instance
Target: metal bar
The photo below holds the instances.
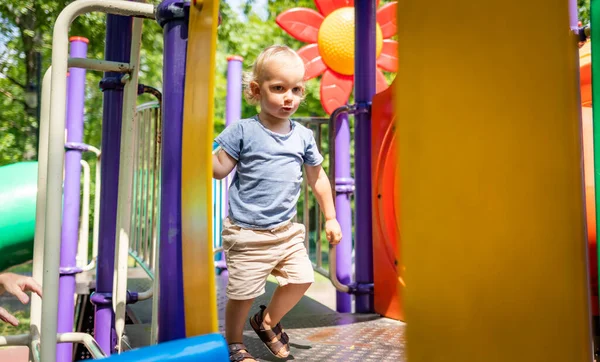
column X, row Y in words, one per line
column 72, row 197
column 40, row 209
column 139, row 170
column 123, row 226
column 146, row 294
column 99, row 65
column 92, row 264
column 156, row 230
column 84, row 234
column 364, row 78
column 332, row 271
column 343, row 206
column 573, row 16
column 95, row 230
column 233, row 107
column 88, row 341
column 155, row 185
column 16, row 340
column 34, row 344
column 171, row 312
column 134, row 241
column 146, row 185
column 142, row 263
column 150, row 191
column 333, row 139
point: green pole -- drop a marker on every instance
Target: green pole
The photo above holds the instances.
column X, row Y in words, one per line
column 595, row 34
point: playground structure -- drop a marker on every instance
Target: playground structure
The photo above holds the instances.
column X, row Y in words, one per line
column 485, row 205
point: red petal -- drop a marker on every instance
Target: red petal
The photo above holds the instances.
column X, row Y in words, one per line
column 301, row 23
column 381, row 81
column 388, row 59
column 335, row 90
column 312, row 61
column 386, row 18
column 326, row 7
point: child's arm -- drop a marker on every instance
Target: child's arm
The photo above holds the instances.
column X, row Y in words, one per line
column 319, row 183
column 223, row 163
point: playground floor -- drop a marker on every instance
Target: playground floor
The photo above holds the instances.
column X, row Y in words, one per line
column 317, row 332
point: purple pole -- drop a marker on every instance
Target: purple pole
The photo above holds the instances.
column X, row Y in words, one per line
column 117, row 48
column 364, row 89
column 72, row 189
column 344, row 185
column 233, row 102
column 172, row 15
column 573, row 15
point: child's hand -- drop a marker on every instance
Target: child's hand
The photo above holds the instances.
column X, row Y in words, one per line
column 333, row 231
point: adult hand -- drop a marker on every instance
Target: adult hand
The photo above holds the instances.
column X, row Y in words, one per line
column 17, row 285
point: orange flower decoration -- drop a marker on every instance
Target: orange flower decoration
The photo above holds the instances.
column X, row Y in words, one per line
column 330, row 33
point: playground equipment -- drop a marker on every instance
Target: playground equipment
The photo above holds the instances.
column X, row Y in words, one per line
column 18, row 186
column 491, row 187
column 505, row 187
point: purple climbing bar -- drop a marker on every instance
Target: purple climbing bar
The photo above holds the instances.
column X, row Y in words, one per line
column 117, row 48
column 72, row 189
column 172, row 15
column 344, row 187
column 364, row 89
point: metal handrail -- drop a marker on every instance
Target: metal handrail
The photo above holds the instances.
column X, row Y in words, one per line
column 348, row 109
column 332, row 252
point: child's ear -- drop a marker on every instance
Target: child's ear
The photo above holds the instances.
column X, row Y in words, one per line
column 255, row 88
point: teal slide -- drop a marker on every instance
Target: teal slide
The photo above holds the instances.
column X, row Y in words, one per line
column 18, row 189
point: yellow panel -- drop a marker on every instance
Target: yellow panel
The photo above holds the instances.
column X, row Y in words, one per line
column 196, row 214
column 492, row 220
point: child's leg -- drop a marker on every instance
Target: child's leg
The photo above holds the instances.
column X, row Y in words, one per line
column 284, row 299
column 235, row 318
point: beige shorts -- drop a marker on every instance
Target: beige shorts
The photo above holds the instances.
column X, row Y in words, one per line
column 252, row 255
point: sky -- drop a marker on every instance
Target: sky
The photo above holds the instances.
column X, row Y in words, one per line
column 260, row 7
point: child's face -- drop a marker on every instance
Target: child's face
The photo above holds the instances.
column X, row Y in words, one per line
column 281, row 91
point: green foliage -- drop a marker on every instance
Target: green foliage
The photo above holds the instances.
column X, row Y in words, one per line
column 584, row 11
column 23, row 327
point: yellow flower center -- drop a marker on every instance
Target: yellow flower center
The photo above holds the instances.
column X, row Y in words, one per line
column 336, row 40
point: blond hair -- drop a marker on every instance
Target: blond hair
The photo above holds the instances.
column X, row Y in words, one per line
column 257, row 73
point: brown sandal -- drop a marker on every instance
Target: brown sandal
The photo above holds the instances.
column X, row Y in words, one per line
column 275, row 339
column 238, row 352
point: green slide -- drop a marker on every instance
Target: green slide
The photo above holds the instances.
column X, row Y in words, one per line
column 18, row 189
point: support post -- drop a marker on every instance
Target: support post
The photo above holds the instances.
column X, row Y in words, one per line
column 364, row 90
column 172, row 15
column 72, row 196
column 118, row 46
column 344, row 187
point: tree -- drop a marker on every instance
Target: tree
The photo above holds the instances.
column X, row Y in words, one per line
column 584, row 11
column 26, row 28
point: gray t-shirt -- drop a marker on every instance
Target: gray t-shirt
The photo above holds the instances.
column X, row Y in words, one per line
column 266, row 185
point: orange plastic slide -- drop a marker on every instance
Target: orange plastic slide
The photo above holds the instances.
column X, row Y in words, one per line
column 385, row 223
